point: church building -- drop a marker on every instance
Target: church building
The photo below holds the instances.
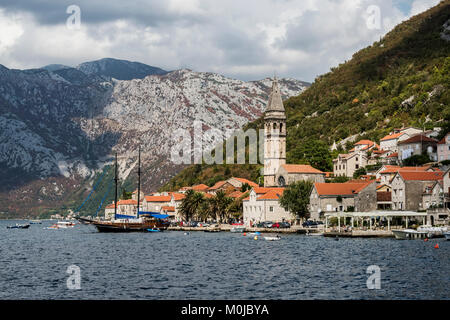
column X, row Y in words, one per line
column 276, row 172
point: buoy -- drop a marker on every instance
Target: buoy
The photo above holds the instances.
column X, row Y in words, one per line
column 256, row 238
column 436, row 246
column 245, row 234
column 426, row 239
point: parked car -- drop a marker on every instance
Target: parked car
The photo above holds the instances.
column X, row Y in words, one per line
column 285, row 225
column 267, row 224
column 276, row 225
column 309, row 224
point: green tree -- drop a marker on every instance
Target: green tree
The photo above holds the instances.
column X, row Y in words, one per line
column 190, row 204
column 360, row 172
column 295, row 198
column 313, row 152
column 219, row 204
column 416, row 160
column 126, row 195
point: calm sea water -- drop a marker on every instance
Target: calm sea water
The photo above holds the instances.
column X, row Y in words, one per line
column 171, row 265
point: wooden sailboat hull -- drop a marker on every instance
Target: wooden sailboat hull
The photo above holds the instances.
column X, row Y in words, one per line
column 130, row 226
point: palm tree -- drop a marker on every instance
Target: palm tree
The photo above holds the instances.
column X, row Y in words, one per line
column 190, row 204
column 219, row 205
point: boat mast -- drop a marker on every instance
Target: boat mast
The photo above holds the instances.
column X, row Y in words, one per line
column 139, row 183
column 115, row 196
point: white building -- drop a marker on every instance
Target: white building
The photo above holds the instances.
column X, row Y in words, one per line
column 262, row 205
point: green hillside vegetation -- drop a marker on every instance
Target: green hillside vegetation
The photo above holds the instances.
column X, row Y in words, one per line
column 401, row 80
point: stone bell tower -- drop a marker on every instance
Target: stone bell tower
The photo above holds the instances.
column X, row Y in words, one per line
column 274, row 136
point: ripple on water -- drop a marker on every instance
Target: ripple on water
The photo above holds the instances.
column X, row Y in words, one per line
column 170, row 265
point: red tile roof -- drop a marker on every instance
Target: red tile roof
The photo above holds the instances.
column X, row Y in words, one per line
column 218, row 185
column 393, row 155
column 262, row 190
column 168, row 208
column 236, row 194
column 421, row 176
column 418, row 138
column 243, row 180
column 395, row 169
column 392, row 136
column 364, row 142
column 343, row 189
column 271, row 195
column 158, row 198
column 200, row 187
column 177, row 196
column 300, row 168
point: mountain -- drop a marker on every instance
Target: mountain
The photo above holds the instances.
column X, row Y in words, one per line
column 59, row 129
column 119, row 69
column 401, row 80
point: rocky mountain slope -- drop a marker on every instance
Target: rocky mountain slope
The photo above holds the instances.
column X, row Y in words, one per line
column 59, row 128
column 119, row 69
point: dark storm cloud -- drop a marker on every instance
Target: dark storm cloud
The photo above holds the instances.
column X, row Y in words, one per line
column 48, row 12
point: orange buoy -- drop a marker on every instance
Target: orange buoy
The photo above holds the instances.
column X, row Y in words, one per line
column 436, row 246
column 245, row 234
column 426, row 239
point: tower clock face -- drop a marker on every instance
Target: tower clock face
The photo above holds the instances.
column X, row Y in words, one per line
column 281, row 181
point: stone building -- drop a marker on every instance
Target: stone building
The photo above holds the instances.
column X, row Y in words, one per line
column 417, row 145
column 332, row 197
column 443, row 148
column 290, row 173
column 347, row 164
column 408, row 188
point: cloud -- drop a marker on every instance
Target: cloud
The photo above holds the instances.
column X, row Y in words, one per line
column 249, row 39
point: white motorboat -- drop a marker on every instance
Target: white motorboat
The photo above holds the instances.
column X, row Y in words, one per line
column 433, row 232
column 409, row 234
column 447, row 235
column 237, row 229
column 276, row 238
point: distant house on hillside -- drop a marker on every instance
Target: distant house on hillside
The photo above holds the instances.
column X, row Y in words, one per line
column 332, row 197
column 443, row 148
column 231, row 185
column 418, row 145
column 347, row 164
column 390, row 142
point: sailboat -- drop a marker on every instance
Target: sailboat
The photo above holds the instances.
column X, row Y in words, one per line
column 143, row 222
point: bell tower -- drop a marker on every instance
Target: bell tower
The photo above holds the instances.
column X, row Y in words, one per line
column 274, row 136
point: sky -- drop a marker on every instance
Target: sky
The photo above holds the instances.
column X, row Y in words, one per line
column 243, row 39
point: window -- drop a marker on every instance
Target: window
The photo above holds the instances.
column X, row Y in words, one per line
column 271, row 209
column 356, row 166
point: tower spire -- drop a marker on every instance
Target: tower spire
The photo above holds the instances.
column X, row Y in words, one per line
column 275, row 102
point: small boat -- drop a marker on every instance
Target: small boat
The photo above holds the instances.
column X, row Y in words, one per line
column 52, row 227
column 257, row 233
column 35, row 222
column 409, row 234
column 314, row 234
column 276, row 238
column 447, row 235
column 213, row 228
column 65, row 224
column 237, row 229
column 19, row 226
column 154, row 230
column 433, row 232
